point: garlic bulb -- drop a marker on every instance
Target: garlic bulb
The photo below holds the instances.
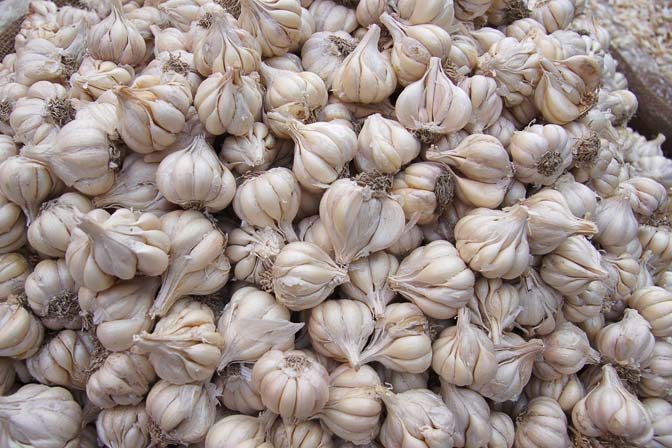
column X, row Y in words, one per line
column 229, row 102
column 403, row 381
column 237, row 392
column 550, row 222
column 566, row 89
column 617, row 223
column 495, row 307
column 423, row 189
column 253, row 252
column 657, row 241
column 354, row 409
column 292, row 383
column 542, row 424
column 628, row 342
column 652, row 303
column 51, row 294
column 340, row 329
column 566, row 351
column 368, row 281
column 38, row 116
column 8, row 147
column 299, row 434
column 463, row 355
column 9, row 94
column 116, row 38
column 178, row 64
column 321, row 151
column 588, row 303
column 540, row 153
column 198, row 264
column 416, row 418
column 256, row 151
column 50, row 232
column 39, row 60
column 124, row 379
column 224, row 47
column 483, row 171
column 332, row 16
column 124, row 426
column 21, row 333
column 515, row 358
column 410, row 240
column 384, row 146
column 566, row 390
column 503, row 431
column 554, row 15
column 472, row 415
column 194, row 177
column 270, row 199
column 275, row 24
column 182, row 414
column 234, row 431
column 184, row 346
column 610, row 409
column 656, row 378
column 645, row 194
column 121, row 311
column 660, row 412
column 539, row 304
column 515, row 67
column 325, row 51
column 40, row 416
column 572, row 266
column 433, row 105
column 471, row 9
column 400, row 340
column 96, row 77
column 152, row 111
column 414, row 12
column 304, row 276
column 253, row 323
column 486, row 104
column 359, row 218
column 14, row 270
column 64, row 360
column 12, row 225
column 27, row 183
column 581, row 199
column 494, row 242
column 121, row 245
column 301, row 94
column 365, row 76
column 413, row 47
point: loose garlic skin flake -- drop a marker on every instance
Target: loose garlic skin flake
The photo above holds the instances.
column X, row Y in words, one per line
column 292, row 384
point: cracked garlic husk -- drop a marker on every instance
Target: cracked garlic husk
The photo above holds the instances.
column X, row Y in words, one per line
column 121, row 311
column 198, row 263
column 51, row 294
column 122, row 379
column 435, row 279
column 368, row 281
column 252, row 323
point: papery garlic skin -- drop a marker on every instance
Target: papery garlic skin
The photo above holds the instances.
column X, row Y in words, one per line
column 495, row 307
column 185, row 413
column 252, row 323
column 483, row 231
column 292, row 383
column 435, row 279
column 64, row 360
column 300, row 95
column 123, row 379
column 38, row 116
column 303, row 276
column 121, row 311
column 276, row 24
column 543, row 423
column 237, row 393
column 581, row 200
column 116, row 39
column 236, row 430
column 124, row 427
column 628, row 342
column 21, row 333
column 610, row 409
column 384, row 146
column 368, row 281
column 14, row 270
column 653, row 304
column 365, row 76
column 423, row 189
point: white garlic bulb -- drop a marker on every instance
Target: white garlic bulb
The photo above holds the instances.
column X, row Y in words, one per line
column 435, row 279
column 365, row 76
column 253, row 252
column 494, row 242
column 275, row 24
column 116, row 38
column 494, row 306
column 325, row 51
column 652, row 303
column 124, row 378
column 95, row 77
column 463, row 355
column 403, row 381
column 121, row 245
column 38, row 116
column 540, row 153
column 234, row 431
column 304, row 276
column 121, row 311
column 333, row 16
column 354, row 408
column 299, row 434
column 610, row 409
column 581, row 199
column 645, row 194
column 628, row 342
column 292, row 384
column 472, row 415
column 539, row 304
column 124, row 427
column 12, row 225
column 14, row 270
column 660, row 412
column 198, row 264
column 503, row 431
column 182, row 414
column 572, row 266
column 237, row 393
column 252, row 323
column 300, row 95
column 359, row 218
column 566, row 390
column 41, row 416
column 368, row 281
column 542, row 424
column 617, row 223
column 416, row 418
column 656, row 378
column 384, row 145
column 566, row 351
column 21, row 333
column 64, row 360
column 51, row 294
column 256, row 151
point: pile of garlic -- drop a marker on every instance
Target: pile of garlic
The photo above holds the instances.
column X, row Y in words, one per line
column 329, row 223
